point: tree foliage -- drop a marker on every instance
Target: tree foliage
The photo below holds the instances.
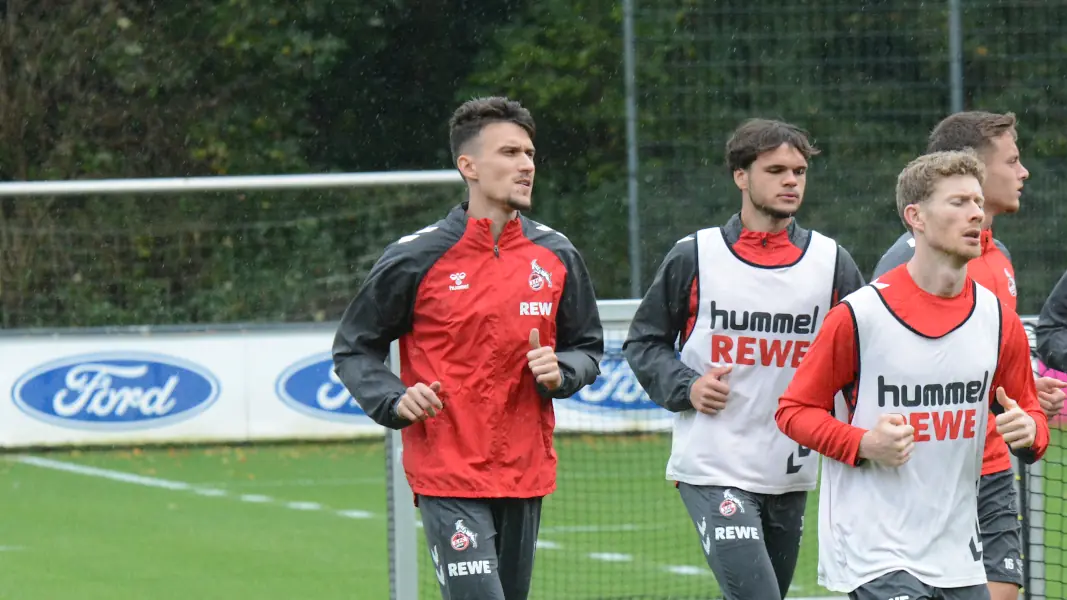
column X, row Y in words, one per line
column 162, row 88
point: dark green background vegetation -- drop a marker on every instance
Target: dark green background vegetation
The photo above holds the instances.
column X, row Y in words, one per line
column 230, row 87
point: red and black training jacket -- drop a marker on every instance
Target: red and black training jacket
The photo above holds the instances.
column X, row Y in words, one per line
column 462, row 306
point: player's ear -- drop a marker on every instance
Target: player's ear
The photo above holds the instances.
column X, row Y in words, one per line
column 914, row 217
column 741, row 179
column 467, row 167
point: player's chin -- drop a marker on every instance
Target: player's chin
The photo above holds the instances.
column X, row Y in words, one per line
column 786, row 205
column 1004, row 204
column 518, row 202
column 968, row 252
column 785, row 211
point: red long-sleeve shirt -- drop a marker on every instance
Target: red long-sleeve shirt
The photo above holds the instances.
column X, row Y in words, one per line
column 832, row 365
column 993, row 271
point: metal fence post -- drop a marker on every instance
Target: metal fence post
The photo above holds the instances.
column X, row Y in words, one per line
column 631, row 146
column 403, row 544
column 955, row 55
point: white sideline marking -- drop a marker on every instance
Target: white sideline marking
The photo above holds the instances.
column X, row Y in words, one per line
column 356, row 514
column 686, row 570
column 611, row 557
column 547, row 545
column 104, row 473
column 11, row 548
column 156, row 482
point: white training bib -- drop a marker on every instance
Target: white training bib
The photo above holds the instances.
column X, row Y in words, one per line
column 921, row 517
column 761, row 320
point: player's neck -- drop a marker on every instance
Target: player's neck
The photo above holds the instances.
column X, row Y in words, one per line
column 992, row 211
column 758, row 221
column 480, row 207
column 937, row 273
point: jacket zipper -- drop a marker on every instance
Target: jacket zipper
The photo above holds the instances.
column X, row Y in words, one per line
column 496, row 250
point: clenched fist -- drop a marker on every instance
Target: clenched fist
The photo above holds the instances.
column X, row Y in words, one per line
column 543, row 363
column 420, row 402
column 1014, row 425
column 890, row 442
column 708, row 394
column 1050, row 395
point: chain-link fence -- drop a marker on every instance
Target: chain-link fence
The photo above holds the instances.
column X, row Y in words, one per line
column 263, row 256
column 869, row 80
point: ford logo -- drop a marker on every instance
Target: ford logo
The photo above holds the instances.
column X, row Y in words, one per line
column 115, row 391
column 616, row 387
column 311, row 387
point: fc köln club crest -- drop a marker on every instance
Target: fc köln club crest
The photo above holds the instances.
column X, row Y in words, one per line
column 730, row 504
column 463, row 538
column 538, row 276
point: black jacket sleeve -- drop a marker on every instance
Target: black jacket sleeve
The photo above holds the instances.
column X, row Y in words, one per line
column 379, row 313
column 847, row 276
column 1051, row 330
column 579, row 333
column 650, row 346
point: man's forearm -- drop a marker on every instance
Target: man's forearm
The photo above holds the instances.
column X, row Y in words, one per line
column 1051, row 330
column 815, row 428
column 374, row 387
column 1052, row 346
column 664, row 377
column 577, row 369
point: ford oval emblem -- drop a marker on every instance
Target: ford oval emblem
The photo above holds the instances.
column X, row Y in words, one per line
column 115, row 391
column 311, row 387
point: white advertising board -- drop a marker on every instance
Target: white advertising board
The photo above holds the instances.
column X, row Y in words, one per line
column 238, row 385
column 173, row 387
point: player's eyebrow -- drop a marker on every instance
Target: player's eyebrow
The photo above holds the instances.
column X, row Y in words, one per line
column 966, row 196
column 507, row 146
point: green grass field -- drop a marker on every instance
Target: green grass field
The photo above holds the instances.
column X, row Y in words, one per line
column 616, row 528
column 273, row 522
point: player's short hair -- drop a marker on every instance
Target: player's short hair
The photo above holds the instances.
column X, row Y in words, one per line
column 473, row 115
column 756, row 136
column 972, row 129
column 917, row 181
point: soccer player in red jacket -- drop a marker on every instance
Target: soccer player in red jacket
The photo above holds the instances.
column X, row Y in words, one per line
column 496, row 316
column 993, row 137
column 896, row 391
